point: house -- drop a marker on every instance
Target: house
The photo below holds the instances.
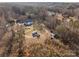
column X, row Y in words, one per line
column 26, row 22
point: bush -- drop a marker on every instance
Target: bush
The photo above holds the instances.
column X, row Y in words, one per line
column 75, row 24
column 69, row 37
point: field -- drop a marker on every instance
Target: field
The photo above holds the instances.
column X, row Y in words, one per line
column 56, row 26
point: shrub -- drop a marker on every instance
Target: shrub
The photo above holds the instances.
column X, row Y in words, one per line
column 69, row 37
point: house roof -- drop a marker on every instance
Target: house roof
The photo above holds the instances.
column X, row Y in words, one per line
column 28, row 20
column 25, row 20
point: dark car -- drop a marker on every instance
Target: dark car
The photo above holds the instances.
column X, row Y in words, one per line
column 35, row 34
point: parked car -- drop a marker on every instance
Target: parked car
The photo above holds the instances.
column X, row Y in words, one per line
column 54, row 35
column 35, row 34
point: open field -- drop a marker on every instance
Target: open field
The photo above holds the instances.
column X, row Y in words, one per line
column 39, row 29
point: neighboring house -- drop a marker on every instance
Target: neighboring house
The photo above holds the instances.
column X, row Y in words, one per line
column 50, row 13
column 67, row 20
column 59, row 16
column 73, row 18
